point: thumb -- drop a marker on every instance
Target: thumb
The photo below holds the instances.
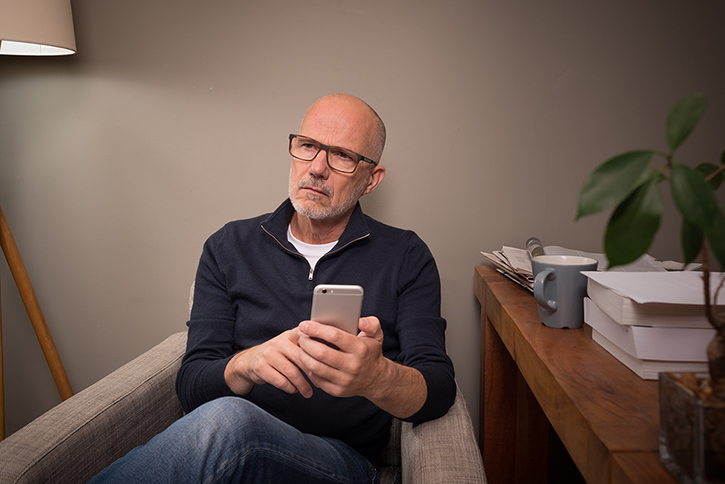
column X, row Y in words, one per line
column 370, row 328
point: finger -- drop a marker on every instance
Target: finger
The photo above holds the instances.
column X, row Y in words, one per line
column 316, row 354
column 370, row 327
column 332, row 381
column 293, row 335
column 278, row 365
column 325, row 385
column 287, row 376
column 335, row 337
column 322, row 376
column 321, row 362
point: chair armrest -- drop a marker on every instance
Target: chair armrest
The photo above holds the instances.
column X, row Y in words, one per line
column 75, row 440
column 442, row 450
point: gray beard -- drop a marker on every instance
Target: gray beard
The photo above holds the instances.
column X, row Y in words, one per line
column 321, row 213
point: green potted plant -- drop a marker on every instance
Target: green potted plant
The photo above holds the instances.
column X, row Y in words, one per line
column 692, row 436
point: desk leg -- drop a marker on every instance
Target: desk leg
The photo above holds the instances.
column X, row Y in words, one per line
column 513, row 428
column 532, row 436
column 498, row 407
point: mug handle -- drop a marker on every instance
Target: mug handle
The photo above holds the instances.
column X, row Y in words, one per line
column 539, row 282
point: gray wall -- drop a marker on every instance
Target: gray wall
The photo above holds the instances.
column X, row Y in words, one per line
column 118, row 162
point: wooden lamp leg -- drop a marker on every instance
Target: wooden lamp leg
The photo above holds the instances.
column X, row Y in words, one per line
column 17, row 268
column 2, row 377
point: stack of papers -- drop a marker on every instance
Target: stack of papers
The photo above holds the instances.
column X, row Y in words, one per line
column 652, row 321
column 513, row 263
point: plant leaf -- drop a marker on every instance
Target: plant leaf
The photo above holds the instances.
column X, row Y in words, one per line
column 706, row 169
column 716, row 237
column 693, row 196
column 683, row 117
column 633, row 225
column 692, row 238
column 612, row 182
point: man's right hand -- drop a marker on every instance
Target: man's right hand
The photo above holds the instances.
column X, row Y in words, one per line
column 275, row 362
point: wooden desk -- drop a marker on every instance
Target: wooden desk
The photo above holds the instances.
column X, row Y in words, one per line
column 606, row 416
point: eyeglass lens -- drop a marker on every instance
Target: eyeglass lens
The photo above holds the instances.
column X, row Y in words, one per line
column 338, row 158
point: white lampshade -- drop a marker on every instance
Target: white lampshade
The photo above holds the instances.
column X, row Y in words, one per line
column 36, row 27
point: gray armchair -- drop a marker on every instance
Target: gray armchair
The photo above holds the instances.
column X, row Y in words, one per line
column 75, row 440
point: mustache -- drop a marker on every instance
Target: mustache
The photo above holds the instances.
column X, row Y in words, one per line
column 315, row 183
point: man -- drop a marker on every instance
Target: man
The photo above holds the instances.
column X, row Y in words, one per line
column 309, row 411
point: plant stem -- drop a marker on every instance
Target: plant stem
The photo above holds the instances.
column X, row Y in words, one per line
column 717, row 322
column 716, row 347
column 715, row 173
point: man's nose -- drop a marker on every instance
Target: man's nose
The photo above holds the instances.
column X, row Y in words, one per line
column 318, row 166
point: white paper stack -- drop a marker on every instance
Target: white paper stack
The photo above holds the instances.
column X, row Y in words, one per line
column 651, row 321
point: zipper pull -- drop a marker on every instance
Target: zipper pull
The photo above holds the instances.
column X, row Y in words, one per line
column 312, row 273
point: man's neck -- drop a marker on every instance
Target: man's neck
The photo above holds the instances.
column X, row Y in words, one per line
column 313, row 231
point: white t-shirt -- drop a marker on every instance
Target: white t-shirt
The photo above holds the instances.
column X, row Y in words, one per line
column 312, row 252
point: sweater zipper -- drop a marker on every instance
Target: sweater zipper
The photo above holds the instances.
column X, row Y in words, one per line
column 311, row 274
column 297, row 254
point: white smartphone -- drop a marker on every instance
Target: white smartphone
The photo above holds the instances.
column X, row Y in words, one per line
column 337, row 305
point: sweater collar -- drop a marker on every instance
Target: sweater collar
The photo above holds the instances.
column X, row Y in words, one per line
column 276, row 225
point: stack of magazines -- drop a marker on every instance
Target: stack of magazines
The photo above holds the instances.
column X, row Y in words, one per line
column 514, row 263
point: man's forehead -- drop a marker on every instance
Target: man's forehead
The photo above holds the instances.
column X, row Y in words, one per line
column 338, row 111
column 336, row 126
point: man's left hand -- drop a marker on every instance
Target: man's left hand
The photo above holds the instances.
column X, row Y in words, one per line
column 357, row 367
column 350, row 369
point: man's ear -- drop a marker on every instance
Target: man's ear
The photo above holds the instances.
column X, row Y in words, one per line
column 376, row 176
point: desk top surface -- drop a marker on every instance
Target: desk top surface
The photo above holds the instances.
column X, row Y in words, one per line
column 590, row 398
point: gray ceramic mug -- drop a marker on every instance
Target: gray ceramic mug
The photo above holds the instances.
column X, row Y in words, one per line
column 560, row 288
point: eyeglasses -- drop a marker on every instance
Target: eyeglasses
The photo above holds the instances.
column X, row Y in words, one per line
column 339, row 159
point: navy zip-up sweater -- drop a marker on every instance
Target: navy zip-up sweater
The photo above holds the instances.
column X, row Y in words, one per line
column 252, row 284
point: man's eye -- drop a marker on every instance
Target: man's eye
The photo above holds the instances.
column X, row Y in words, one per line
column 343, row 156
column 308, row 146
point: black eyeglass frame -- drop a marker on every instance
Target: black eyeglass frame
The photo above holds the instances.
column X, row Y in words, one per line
column 326, row 149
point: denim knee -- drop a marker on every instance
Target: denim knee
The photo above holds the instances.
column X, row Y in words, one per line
column 222, row 418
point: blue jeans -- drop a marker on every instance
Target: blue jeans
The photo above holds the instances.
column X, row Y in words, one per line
column 231, row 440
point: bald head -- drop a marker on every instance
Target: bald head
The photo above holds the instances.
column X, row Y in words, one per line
column 342, row 114
column 324, row 198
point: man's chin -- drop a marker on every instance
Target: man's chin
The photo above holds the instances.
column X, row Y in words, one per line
column 311, row 209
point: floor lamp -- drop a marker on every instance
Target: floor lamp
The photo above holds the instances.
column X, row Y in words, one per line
column 34, row 28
